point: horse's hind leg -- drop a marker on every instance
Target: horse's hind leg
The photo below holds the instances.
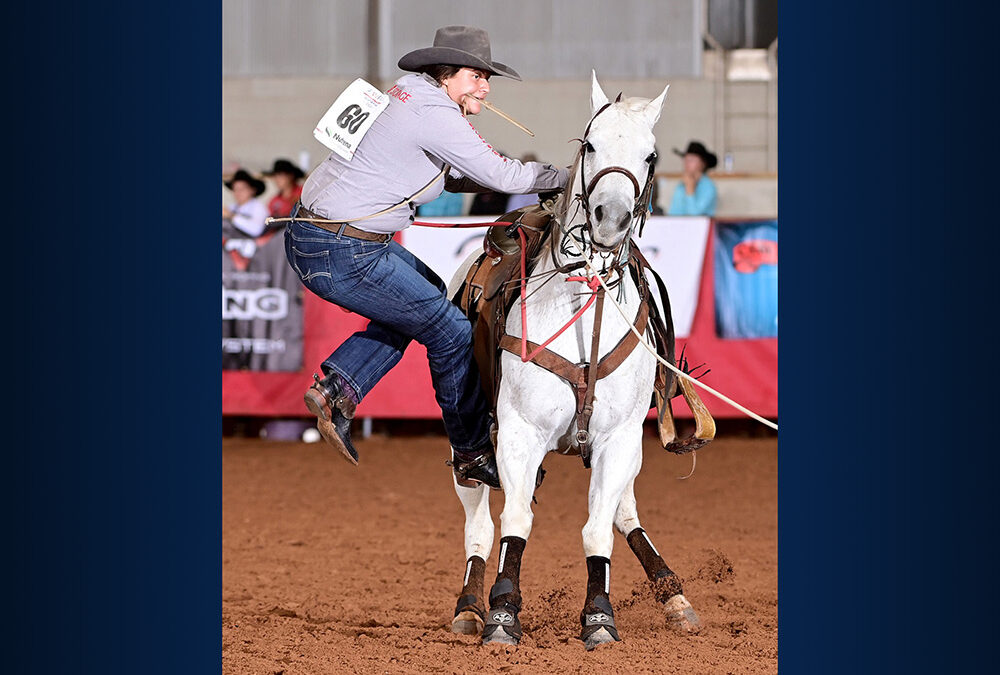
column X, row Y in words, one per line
column 665, row 584
column 469, row 612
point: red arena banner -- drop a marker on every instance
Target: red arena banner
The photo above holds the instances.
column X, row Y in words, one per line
column 745, row 370
column 261, row 304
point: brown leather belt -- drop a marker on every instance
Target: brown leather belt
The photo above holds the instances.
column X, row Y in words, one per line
column 348, row 231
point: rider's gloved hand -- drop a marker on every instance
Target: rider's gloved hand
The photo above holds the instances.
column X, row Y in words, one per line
column 549, row 195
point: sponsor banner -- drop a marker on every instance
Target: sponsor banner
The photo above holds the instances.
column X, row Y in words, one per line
column 674, row 247
column 746, row 279
column 261, row 304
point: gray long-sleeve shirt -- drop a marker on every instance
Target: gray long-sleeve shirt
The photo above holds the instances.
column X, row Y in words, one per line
column 419, row 132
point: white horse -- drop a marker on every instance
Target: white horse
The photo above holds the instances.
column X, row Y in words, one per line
column 537, row 411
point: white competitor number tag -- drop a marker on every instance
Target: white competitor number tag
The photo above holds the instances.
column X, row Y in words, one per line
column 350, row 117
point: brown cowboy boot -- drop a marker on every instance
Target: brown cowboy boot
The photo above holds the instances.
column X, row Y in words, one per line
column 334, row 411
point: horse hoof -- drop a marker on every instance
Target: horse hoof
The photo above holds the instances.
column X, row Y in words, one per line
column 467, row 623
column 599, row 637
column 681, row 615
column 502, row 625
column 500, row 637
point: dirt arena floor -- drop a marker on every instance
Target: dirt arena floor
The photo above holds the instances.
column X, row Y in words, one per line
column 329, row 568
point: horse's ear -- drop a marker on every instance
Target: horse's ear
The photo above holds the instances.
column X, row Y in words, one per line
column 597, row 97
column 654, row 107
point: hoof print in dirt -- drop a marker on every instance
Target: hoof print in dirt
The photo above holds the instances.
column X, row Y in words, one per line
column 468, row 616
column 681, row 615
column 502, row 626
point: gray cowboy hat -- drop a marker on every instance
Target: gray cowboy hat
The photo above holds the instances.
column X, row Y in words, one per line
column 458, row 46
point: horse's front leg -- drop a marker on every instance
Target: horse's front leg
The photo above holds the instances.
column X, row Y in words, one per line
column 470, row 614
column 614, row 465
column 666, row 585
column 520, row 451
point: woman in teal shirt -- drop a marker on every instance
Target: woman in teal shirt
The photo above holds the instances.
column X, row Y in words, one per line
column 695, row 195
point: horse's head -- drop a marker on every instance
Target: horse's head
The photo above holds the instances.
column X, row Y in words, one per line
column 616, row 164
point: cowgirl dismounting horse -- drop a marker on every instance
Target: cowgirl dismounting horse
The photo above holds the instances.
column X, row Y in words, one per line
column 420, row 144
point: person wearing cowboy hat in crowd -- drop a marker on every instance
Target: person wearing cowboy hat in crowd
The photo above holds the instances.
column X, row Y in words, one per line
column 695, row 195
column 286, row 177
column 246, row 214
column 354, row 263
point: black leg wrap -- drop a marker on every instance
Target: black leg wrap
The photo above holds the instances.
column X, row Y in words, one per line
column 472, row 591
column 597, row 612
column 664, row 583
column 505, row 596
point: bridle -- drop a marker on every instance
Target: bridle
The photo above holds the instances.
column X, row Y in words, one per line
column 641, row 197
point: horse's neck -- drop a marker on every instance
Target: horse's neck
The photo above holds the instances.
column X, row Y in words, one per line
column 549, row 288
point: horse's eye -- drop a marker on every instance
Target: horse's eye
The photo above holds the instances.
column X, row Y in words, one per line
column 652, row 158
column 588, row 147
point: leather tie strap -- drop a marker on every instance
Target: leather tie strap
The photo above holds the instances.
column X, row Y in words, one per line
column 583, row 416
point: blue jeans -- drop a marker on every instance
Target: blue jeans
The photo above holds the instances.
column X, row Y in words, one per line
column 405, row 300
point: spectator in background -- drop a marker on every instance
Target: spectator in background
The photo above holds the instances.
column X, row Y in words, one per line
column 246, row 214
column 286, row 177
column 695, row 195
column 447, row 204
column 515, row 202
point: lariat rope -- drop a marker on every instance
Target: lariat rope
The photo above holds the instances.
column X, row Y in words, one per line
column 643, row 341
column 678, row 371
column 593, row 282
